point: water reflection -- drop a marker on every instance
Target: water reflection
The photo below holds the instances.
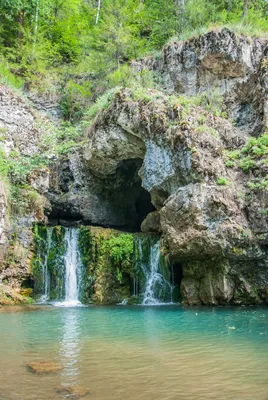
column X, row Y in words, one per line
column 70, row 347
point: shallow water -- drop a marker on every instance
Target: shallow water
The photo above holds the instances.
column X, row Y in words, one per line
column 152, row 353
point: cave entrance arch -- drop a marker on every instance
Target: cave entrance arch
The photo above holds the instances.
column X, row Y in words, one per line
column 117, row 200
column 135, row 198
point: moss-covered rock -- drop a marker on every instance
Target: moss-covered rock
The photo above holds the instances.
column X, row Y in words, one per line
column 107, row 256
column 48, row 261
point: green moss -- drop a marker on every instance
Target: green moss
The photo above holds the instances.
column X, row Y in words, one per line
column 106, row 256
column 4, row 166
column 88, row 257
column 114, row 268
column 40, row 240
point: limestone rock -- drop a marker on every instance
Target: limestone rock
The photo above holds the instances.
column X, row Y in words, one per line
column 10, row 296
column 190, row 291
column 22, row 134
column 18, row 122
column 73, row 392
column 4, row 226
column 44, row 367
column 151, row 223
column 219, row 60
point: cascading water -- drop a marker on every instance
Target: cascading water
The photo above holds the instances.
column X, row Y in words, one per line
column 73, row 266
column 156, row 289
column 46, row 278
column 57, row 267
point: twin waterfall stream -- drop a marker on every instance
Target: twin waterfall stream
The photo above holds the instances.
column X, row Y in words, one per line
column 72, row 264
column 153, row 277
column 61, row 271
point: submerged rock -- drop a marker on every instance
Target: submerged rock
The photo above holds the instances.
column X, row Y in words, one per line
column 44, row 367
column 73, row 392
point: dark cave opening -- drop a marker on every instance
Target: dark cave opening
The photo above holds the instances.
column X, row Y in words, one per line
column 27, row 283
column 177, row 275
column 136, row 201
column 143, row 206
column 117, row 201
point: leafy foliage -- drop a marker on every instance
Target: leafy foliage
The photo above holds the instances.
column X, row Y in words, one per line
column 251, row 156
column 253, row 160
column 120, row 247
column 57, row 45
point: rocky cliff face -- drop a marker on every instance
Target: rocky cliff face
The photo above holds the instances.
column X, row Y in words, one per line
column 164, row 163
column 20, row 138
column 232, row 65
column 3, row 223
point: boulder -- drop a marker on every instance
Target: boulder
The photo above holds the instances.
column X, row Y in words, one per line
column 73, row 392
column 44, row 367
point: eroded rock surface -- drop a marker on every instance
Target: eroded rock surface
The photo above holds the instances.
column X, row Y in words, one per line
column 220, row 60
column 4, row 226
column 20, row 133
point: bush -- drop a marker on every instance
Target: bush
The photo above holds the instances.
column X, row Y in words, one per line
column 102, row 103
column 222, row 181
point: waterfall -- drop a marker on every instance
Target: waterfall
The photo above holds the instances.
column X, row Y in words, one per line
column 73, row 266
column 157, row 288
column 57, row 267
column 45, row 274
column 153, row 277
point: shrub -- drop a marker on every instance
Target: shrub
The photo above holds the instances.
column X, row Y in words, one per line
column 246, row 164
column 222, row 181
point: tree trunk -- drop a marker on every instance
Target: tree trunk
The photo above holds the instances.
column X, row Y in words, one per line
column 36, row 21
column 245, row 9
column 180, row 5
column 21, row 25
column 180, row 9
column 98, row 11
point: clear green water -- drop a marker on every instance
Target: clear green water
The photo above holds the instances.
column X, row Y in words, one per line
column 168, row 353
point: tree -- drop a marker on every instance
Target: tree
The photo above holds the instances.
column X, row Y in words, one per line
column 98, row 11
column 245, row 9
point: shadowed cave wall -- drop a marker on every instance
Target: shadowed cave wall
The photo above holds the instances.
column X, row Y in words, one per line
column 118, row 201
